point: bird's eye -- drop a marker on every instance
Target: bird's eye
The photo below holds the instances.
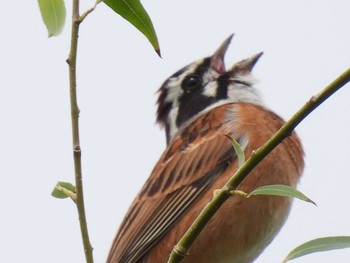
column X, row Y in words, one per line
column 191, row 82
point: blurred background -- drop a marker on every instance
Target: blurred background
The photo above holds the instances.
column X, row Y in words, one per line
column 306, row 46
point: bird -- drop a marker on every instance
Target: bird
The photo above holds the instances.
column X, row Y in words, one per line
column 199, row 107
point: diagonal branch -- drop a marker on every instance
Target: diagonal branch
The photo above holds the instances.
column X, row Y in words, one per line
column 182, row 248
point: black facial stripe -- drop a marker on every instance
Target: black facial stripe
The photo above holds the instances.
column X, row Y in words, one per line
column 202, row 68
column 163, row 106
column 178, row 73
column 222, row 89
column 192, row 104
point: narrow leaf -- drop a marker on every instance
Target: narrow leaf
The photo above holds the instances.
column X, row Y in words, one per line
column 63, row 190
column 238, row 149
column 281, row 190
column 134, row 12
column 319, row 245
column 53, row 13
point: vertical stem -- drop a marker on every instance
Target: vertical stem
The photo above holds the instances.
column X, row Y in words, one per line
column 75, row 132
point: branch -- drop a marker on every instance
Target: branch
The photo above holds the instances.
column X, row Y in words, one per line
column 182, row 248
column 72, row 58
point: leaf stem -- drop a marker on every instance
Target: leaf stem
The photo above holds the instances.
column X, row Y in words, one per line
column 85, row 14
column 72, row 58
column 223, row 194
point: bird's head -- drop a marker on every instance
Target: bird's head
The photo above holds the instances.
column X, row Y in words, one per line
column 203, row 85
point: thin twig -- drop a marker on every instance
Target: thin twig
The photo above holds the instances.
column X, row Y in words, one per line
column 85, row 14
column 182, row 248
column 72, row 58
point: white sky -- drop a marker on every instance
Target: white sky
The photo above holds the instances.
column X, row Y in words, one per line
column 305, row 43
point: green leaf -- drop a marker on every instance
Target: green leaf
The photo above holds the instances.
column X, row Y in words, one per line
column 53, row 13
column 281, row 190
column 239, row 151
column 63, row 190
column 319, row 245
column 134, row 12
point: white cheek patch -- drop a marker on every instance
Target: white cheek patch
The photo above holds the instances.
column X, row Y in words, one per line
column 244, row 92
column 211, row 89
column 174, row 90
column 172, row 121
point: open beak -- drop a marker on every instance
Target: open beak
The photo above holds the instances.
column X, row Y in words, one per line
column 218, row 57
column 244, row 66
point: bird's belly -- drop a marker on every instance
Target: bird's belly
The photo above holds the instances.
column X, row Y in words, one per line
column 237, row 233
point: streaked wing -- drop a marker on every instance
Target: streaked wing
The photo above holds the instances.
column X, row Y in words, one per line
column 188, row 167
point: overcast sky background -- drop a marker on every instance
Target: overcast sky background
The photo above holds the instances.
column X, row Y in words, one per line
column 306, row 45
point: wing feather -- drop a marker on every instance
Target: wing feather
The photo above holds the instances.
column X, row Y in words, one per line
column 183, row 173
